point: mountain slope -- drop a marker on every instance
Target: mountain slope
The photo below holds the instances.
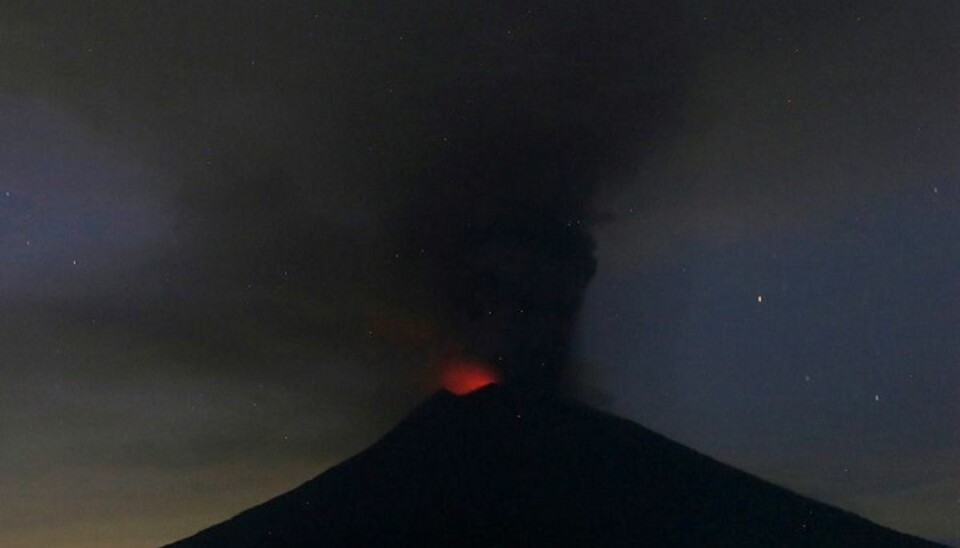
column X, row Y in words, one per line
column 489, row 469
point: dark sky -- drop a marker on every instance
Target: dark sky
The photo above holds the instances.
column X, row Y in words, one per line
column 227, row 231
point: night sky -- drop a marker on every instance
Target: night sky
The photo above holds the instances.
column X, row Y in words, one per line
column 233, row 238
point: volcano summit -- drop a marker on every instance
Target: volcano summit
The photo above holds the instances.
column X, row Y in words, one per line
column 493, row 469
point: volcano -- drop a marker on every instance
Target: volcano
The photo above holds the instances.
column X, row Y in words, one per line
column 491, row 468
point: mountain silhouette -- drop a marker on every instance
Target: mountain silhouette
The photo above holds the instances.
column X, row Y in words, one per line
column 494, row 469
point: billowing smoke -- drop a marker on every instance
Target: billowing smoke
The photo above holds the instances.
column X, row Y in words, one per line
column 500, row 222
column 383, row 184
column 503, row 226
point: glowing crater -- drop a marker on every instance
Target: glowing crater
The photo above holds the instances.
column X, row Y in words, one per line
column 463, row 376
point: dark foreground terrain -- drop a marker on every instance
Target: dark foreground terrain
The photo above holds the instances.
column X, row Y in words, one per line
column 487, row 470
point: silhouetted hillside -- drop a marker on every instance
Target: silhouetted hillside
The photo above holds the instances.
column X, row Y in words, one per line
column 488, row 470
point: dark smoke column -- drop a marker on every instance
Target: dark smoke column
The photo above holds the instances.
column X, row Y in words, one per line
column 500, row 216
column 516, row 253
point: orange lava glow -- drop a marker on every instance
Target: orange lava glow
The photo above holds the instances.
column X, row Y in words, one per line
column 462, row 377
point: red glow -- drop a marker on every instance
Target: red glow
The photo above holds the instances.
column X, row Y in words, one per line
column 462, row 377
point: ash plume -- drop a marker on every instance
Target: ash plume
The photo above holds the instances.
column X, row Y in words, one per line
column 499, row 223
